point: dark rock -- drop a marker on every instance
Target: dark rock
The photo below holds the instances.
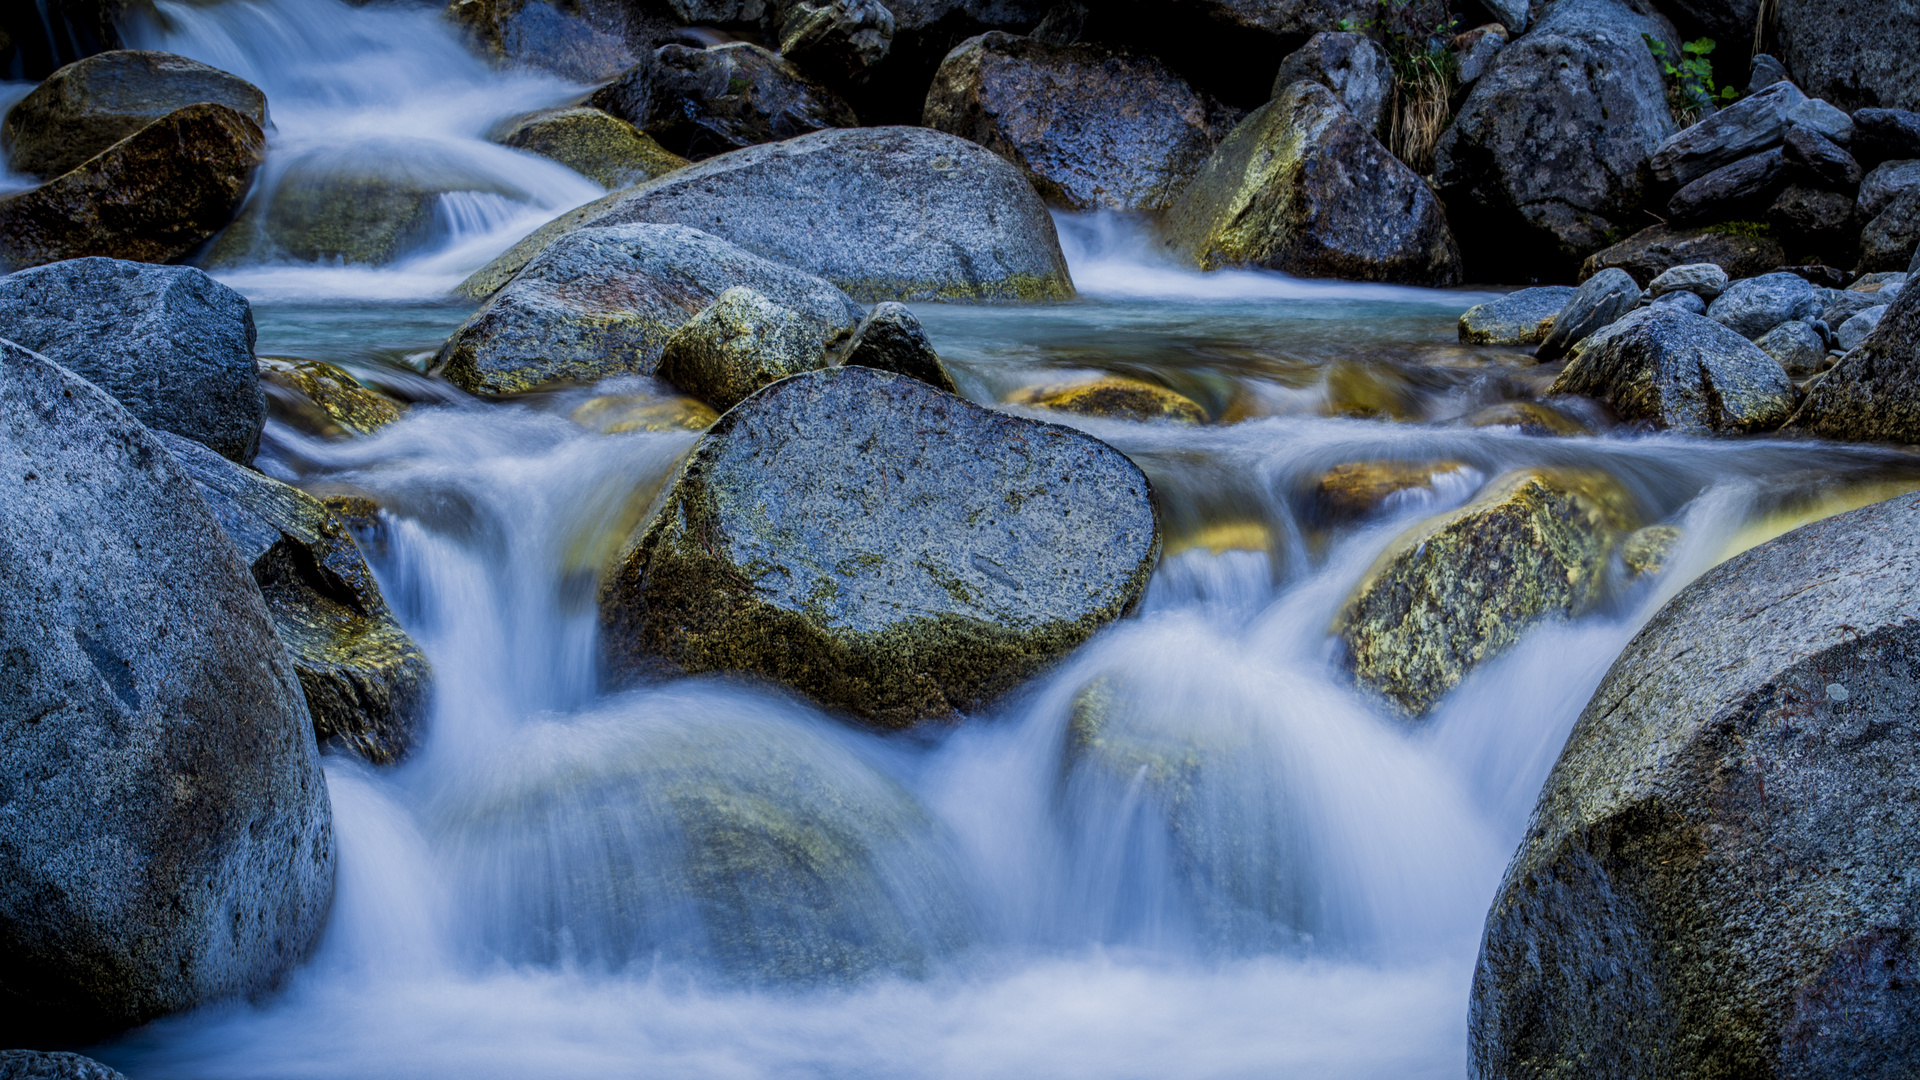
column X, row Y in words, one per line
column 891, row 339
column 1764, row 72
column 884, row 213
column 1734, row 191
column 367, row 684
column 322, row 400
column 924, row 554
column 1093, row 128
column 1682, row 372
column 1844, row 305
column 1885, row 183
column 167, row 840
column 1872, row 394
column 1543, row 162
column 1818, row 160
column 740, row 343
column 701, row 102
column 1819, row 275
column 170, row 343
column 1730, row 22
column 1750, row 126
column 1351, row 65
column 1716, row 879
column 554, row 37
column 1475, row 50
column 1823, row 119
column 1889, row 241
column 1753, row 306
column 599, row 146
column 1800, row 349
column 153, row 196
column 1651, row 251
column 35, row 1065
column 1816, row 222
column 1302, row 187
column 924, row 32
column 835, row 40
column 1705, row 279
column 38, row 38
column 602, row 302
column 1850, row 52
column 88, row 106
column 1885, row 135
column 1512, row 14
column 1522, row 317
column 1602, row 299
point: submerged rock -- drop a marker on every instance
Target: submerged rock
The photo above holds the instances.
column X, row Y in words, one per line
column 883, row 547
column 1652, row 251
column 891, row 339
column 740, row 343
column 1302, row 187
column 1603, row 299
column 1350, row 492
column 1727, row 834
column 91, row 104
column 58, row 1065
column 321, row 399
column 617, row 414
column 1872, row 394
column 1351, row 65
column 1092, row 127
column 602, row 302
column 1116, row 397
column 1683, row 372
column 1522, row 317
column 367, row 684
column 599, row 146
column 1462, row 588
column 167, row 840
column 154, row 196
column 702, row 102
column 172, row 344
column 884, row 213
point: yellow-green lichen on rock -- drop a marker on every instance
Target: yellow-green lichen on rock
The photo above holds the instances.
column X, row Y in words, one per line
column 617, row 414
column 1458, row 590
column 1115, row 397
column 321, row 399
column 599, row 146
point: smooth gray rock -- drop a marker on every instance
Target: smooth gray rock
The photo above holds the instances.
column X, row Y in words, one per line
column 602, row 301
column 1764, row 72
column 1749, row 126
column 701, row 102
column 883, row 547
column 1817, row 159
column 740, row 343
column 1522, row 317
column 884, row 213
column 59, row 1065
column 1681, row 371
column 1872, row 394
column 1853, row 333
column 172, row 344
column 836, row 41
column 1844, row 304
column 1885, row 135
column 1888, row 242
column 1718, row 879
column 1708, row 280
column 1513, row 14
column 167, row 839
column 1691, row 302
column 1732, row 191
column 891, row 339
column 1603, row 298
column 1474, row 56
column 1800, row 349
column 1823, row 118
column 1351, row 65
column 1853, row 53
column 1753, row 306
column 1885, row 183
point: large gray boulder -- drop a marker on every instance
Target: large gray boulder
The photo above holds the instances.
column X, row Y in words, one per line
column 1749, row 126
column 603, row 301
column 1851, row 52
column 1600, row 300
column 368, row 685
column 1873, row 393
column 172, row 344
column 1351, row 65
column 1092, row 127
column 1522, row 317
column 701, row 102
column 1753, row 306
column 1718, row 877
column 1543, row 162
column 886, row 548
column 884, row 213
column 1682, row 372
column 167, row 839
column 1303, row 187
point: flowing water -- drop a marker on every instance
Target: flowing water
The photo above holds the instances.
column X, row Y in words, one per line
column 1258, row 873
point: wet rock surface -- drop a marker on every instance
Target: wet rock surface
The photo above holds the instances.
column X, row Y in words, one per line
column 1705, row 280
column 1652, row 251
column 1681, row 371
column 1094, row 128
column 1302, row 187
column 884, row 213
column 890, row 338
column 1892, row 238
column 170, row 343
column 1872, row 394
column 883, row 547
column 1351, row 65
column 1116, row 397
column 1523, row 317
column 599, row 146
column 56, row 1065
column 1798, row 347
column 1725, row 834
column 701, row 102
column 167, row 840
column 740, row 343
column 603, row 301
column 553, row 37
column 1601, row 300
column 1756, row 305
column 321, row 399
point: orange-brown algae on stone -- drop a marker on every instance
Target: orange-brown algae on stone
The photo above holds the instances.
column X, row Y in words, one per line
column 1115, row 397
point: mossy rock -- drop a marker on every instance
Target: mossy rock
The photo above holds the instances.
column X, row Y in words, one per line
column 321, row 399
column 1647, row 551
column 1115, row 397
column 617, row 414
column 1531, row 417
column 1357, row 489
column 1460, row 589
column 599, row 146
column 740, row 343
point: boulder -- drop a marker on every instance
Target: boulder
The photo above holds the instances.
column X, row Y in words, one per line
column 1115, row 397
column 883, row 547
column 1816, row 222
column 1651, row 251
column 599, row 146
column 1885, row 183
column 1603, row 298
column 1816, row 159
column 153, row 196
column 1889, row 241
column 1522, row 317
column 835, row 40
column 1854, row 54
column 1707, row 280
column 740, row 343
column 603, row 301
column 1302, row 187
column 1872, row 395
column 1092, row 127
column 1752, row 125
column 1738, row 190
column 1729, row 21
column 884, row 213
column 1357, row 490
column 367, row 684
column 1853, row 333
column 1475, row 50
column 1756, row 305
column 1681, row 372
column 1717, row 879
column 1542, row 165
column 57, row 1065
column 1460, row 589
column 322, row 400
column 555, row 37
column 701, row 102
column 1799, row 348
column 170, row 343
column 89, row 105
column 1690, row 302
column 1351, row 65
column 1886, row 135
column 1841, row 305
column 167, row 840
column 891, row 339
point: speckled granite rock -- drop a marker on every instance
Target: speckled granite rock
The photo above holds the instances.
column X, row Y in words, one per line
column 738, row 344
column 891, row 339
column 1872, row 394
column 1598, row 303
column 599, row 146
column 1683, row 372
column 1522, row 317
column 36, row 1065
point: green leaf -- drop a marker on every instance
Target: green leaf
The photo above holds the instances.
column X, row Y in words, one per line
column 1729, row 93
column 1701, row 47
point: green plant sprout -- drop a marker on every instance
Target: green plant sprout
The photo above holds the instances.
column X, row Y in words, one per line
column 1690, row 88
